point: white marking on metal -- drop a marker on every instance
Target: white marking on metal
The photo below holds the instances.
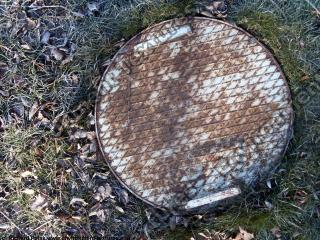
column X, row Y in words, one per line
column 232, row 192
column 155, row 41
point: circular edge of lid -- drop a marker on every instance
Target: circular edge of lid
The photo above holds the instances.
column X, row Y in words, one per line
column 268, row 52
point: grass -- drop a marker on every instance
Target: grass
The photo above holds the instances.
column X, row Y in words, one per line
column 60, row 165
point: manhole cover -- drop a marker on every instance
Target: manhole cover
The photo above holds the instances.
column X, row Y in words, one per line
column 190, row 110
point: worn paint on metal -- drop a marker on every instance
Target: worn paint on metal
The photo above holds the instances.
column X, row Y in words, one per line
column 188, row 109
column 216, row 197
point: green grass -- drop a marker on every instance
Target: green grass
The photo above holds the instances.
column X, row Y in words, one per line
column 66, row 94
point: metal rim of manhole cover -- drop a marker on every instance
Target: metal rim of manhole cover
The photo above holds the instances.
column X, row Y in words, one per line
column 190, row 110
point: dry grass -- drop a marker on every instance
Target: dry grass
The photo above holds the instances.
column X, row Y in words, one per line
column 49, row 169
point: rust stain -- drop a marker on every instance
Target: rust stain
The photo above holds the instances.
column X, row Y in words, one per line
column 188, row 109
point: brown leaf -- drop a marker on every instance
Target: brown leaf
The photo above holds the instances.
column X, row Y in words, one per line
column 39, row 203
column 276, row 232
column 102, row 193
column 4, row 226
column 30, row 24
column 33, row 110
column 57, row 54
column 45, row 37
column 123, row 195
column 93, row 7
column 28, row 191
column 26, row 47
column 79, row 201
column 243, row 235
column 4, row 93
column 119, row 209
column 67, row 60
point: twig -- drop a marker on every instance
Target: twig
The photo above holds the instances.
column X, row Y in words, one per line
column 313, row 6
column 42, row 225
column 6, row 217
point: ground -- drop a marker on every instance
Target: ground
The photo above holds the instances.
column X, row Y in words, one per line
column 53, row 181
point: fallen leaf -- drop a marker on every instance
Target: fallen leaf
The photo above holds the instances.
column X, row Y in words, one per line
column 67, row 60
column 5, row 226
column 33, row 110
column 269, row 184
column 103, row 176
column 276, row 232
column 4, row 93
column 204, row 236
column 78, row 201
column 27, row 174
column 93, row 7
column 173, row 222
column 123, row 196
column 101, row 215
column 243, row 235
column 39, row 203
column 119, row 209
column 28, row 191
column 25, row 46
column 78, row 218
column 268, row 204
column 57, row 54
column 30, row 24
column 45, row 37
column 78, row 14
column 102, row 193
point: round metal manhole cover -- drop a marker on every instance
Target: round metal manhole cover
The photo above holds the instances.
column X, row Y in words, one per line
column 191, row 109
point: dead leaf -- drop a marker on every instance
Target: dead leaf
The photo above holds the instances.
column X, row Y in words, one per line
column 101, row 215
column 28, row 191
column 67, row 60
column 268, row 204
column 119, row 209
column 243, row 235
column 173, row 222
column 45, row 37
column 33, row 110
column 204, row 236
column 123, row 196
column 102, row 193
column 39, row 203
column 269, row 184
column 77, row 218
column 5, row 226
column 79, row 201
column 81, row 134
column 4, row 93
column 25, row 46
column 276, row 232
column 26, row 174
column 78, row 14
column 103, row 176
column 93, row 7
column 57, row 54
column 30, row 24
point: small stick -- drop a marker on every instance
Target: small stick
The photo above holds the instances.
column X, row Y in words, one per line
column 15, row 224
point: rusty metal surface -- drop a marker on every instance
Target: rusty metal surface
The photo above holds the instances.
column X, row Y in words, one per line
column 190, row 108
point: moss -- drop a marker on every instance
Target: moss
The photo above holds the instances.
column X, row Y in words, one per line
column 178, row 234
column 254, row 222
column 150, row 14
